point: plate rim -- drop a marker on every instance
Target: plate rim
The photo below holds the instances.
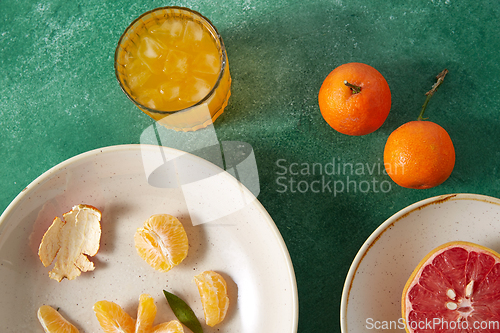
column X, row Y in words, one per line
column 379, row 231
column 137, row 147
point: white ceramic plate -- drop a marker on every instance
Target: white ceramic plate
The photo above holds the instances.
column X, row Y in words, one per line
column 242, row 244
column 371, row 299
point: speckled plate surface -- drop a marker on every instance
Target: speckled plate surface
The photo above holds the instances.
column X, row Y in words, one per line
column 371, row 299
column 243, row 245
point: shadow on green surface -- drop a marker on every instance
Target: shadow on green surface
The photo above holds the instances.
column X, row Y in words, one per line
column 278, row 64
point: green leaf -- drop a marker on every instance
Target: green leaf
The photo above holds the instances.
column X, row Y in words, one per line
column 183, row 312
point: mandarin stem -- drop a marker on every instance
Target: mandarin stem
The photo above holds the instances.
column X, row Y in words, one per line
column 421, row 115
column 355, row 89
column 440, row 78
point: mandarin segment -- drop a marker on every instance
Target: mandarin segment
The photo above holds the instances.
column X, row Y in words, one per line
column 173, row 326
column 162, row 242
column 213, row 292
column 146, row 313
column 112, row 318
column 53, row 322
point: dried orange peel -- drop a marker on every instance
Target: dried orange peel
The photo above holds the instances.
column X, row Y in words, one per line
column 70, row 240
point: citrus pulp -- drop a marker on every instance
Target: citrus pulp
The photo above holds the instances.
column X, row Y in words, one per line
column 162, row 242
column 112, row 318
column 53, row 322
column 173, row 326
column 455, row 288
column 146, row 313
column 213, row 292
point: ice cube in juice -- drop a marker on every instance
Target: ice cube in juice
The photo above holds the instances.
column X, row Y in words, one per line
column 174, row 63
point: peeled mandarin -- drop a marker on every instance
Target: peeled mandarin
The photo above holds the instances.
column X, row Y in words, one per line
column 162, row 242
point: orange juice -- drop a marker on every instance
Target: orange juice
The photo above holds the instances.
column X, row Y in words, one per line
column 171, row 62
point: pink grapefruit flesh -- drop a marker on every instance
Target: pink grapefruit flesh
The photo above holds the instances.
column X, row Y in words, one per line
column 455, row 288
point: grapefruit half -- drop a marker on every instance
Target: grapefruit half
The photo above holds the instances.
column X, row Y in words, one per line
column 455, row 288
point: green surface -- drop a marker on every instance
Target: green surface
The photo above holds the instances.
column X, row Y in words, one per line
column 59, row 98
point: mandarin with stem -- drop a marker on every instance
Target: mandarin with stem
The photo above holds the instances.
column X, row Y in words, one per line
column 420, row 153
column 355, row 99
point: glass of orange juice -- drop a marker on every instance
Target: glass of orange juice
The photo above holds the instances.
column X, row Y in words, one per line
column 172, row 63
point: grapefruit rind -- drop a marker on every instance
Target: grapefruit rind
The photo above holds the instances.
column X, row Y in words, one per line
column 415, row 275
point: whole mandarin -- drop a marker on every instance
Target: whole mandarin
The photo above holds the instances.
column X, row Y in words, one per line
column 355, row 99
column 419, row 155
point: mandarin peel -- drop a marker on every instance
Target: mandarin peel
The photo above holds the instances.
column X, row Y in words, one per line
column 69, row 241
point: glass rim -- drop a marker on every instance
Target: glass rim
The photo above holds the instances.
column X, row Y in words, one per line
column 219, row 78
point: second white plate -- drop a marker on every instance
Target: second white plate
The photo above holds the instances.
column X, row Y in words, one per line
column 371, row 299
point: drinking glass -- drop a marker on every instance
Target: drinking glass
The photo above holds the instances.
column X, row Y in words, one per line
column 172, row 64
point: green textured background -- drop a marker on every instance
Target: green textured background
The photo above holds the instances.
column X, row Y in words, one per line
column 59, row 98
